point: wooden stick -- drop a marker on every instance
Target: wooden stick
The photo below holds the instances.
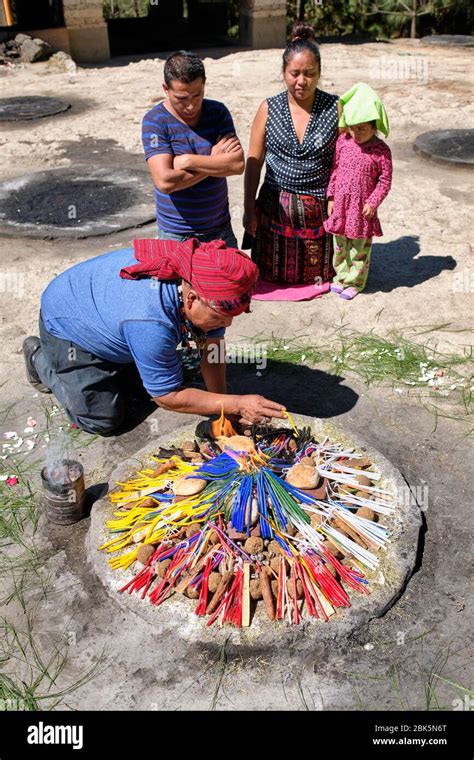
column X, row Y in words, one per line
column 246, row 596
column 164, row 467
column 182, row 586
column 8, row 13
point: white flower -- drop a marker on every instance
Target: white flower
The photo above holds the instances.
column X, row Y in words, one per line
column 452, row 387
column 398, row 390
column 285, row 348
column 28, row 429
column 303, row 357
column 10, row 434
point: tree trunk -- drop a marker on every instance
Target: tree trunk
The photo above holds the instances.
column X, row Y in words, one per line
column 301, row 10
column 413, row 19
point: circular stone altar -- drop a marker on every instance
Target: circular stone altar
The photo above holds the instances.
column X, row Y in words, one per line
column 455, row 146
column 75, row 202
column 176, row 616
column 30, row 107
column 449, row 40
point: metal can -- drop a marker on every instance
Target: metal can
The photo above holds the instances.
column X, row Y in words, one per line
column 64, row 491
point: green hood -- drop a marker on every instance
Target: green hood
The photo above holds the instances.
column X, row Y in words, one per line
column 361, row 103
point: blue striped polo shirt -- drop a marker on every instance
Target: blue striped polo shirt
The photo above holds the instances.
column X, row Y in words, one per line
column 204, row 206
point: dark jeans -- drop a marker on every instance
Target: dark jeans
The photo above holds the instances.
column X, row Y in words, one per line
column 92, row 391
column 224, row 233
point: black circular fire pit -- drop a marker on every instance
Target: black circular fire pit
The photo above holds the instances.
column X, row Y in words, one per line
column 30, row 107
column 455, row 146
column 75, row 202
column 449, row 40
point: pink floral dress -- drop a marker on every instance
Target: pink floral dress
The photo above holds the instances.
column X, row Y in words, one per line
column 360, row 174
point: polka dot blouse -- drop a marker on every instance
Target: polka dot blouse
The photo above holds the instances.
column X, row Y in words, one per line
column 301, row 168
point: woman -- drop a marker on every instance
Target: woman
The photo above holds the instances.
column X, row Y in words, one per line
column 295, row 132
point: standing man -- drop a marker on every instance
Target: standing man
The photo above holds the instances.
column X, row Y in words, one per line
column 191, row 147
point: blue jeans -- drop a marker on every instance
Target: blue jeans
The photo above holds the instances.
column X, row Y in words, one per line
column 224, row 233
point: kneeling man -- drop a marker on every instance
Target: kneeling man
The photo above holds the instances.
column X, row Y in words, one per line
column 136, row 307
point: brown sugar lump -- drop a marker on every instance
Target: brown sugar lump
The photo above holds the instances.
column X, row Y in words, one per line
column 366, row 512
column 253, row 545
column 145, row 552
column 186, row 486
column 306, row 461
column 213, row 581
column 275, row 564
column 255, row 590
column 302, row 476
column 299, row 588
column 161, row 567
column 274, row 548
column 189, row 446
column 237, row 443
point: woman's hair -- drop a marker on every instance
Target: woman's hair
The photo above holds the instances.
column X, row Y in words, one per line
column 183, row 66
column 302, row 38
column 302, row 31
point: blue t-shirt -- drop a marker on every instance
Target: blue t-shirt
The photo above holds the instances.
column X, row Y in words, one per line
column 204, row 206
column 120, row 320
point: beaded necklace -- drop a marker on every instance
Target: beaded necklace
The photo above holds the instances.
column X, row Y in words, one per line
column 190, row 357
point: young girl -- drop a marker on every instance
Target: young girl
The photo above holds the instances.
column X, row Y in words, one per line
column 360, row 179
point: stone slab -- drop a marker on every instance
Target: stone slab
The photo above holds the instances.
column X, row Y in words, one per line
column 176, row 615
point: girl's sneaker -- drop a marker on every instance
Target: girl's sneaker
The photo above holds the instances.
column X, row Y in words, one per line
column 349, row 293
column 336, row 288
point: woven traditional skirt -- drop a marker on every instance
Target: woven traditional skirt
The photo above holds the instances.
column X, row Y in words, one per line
column 291, row 245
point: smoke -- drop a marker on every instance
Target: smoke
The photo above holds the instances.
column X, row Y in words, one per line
column 59, row 467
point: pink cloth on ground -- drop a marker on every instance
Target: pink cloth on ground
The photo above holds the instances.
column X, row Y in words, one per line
column 360, row 174
column 275, row 291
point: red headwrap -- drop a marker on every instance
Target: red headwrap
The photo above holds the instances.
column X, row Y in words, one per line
column 223, row 277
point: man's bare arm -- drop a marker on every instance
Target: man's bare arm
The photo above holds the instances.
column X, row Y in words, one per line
column 226, row 159
column 213, row 369
column 250, row 407
column 168, row 179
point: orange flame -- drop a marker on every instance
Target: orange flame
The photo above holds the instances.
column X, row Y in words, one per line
column 222, row 426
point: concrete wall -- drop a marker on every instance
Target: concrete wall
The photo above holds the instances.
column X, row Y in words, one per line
column 58, row 37
column 263, row 23
column 87, row 30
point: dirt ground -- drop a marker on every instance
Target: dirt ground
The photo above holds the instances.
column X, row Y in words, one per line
column 421, row 277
